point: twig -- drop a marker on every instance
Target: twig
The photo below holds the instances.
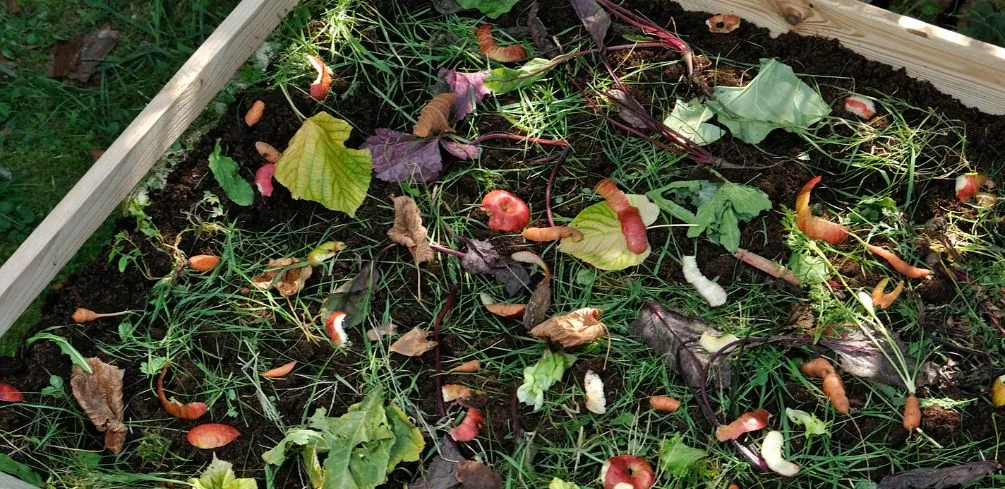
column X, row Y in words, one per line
column 447, row 305
column 551, row 182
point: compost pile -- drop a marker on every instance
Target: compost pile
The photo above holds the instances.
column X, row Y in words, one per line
column 562, row 244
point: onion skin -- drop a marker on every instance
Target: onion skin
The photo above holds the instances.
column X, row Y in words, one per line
column 631, row 221
column 747, row 422
column 212, row 435
column 319, row 89
column 192, row 410
column 813, row 226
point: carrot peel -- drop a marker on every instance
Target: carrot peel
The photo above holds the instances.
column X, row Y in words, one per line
column 747, row 422
column 898, row 263
column 494, row 51
column 192, row 410
column 883, row 300
column 813, row 226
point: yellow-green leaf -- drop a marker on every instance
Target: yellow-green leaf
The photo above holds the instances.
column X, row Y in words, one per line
column 317, row 166
column 603, row 244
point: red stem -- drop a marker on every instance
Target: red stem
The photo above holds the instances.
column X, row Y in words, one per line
column 447, row 305
column 447, row 251
column 551, row 182
column 516, row 137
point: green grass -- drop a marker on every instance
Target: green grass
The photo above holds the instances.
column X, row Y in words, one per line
column 219, row 327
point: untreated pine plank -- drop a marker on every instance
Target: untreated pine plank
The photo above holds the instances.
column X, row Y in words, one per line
column 970, row 70
column 9, row 482
column 111, row 178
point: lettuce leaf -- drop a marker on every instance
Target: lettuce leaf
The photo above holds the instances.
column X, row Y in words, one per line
column 678, row 458
column 813, row 424
column 491, row 8
column 220, row 475
column 226, row 172
column 557, row 483
column 317, row 166
column 603, row 244
column 775, row 99
column 542, row 375
column 502, row 80
column 688, row 118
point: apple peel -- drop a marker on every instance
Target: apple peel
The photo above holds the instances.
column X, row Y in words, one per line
column 212, row 435
column 747, row 422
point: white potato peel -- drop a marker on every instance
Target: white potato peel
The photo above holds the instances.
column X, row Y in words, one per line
column 712, row 292
column 771, row 450
column 596, row 402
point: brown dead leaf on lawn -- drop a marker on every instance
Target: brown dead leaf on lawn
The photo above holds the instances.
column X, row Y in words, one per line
column 413, row 343
column 64, row 57
column 408, row 230
column 472, row 474
column 14, row 7
column 576, row 328
column 291, row 281
column 100, row 396
column 79, row 57
column 435, row 116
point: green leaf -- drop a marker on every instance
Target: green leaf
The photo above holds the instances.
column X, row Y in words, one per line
column 688, row 118
column 317, row 166
column 557, row 483
column 19, row 470
column 408, row 442
column 775, row 99
column 491, row 8
column 721, row 208
column 677, row 458
column 809, row 268
column 542, row 375
column 220, row 475
column 502, row 80
column 227, row 174
column 603, row 244
column 813, row 424
column 64, row 346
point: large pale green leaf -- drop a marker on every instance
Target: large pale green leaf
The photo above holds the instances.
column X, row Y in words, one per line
column 227, row 173
column 603, row 244
column 220, row 475
column 678, row 458
column 491, row 8
column 317, row 166
column 775, row 99
column 502, row 80
column 688, row 118
column 408, row 442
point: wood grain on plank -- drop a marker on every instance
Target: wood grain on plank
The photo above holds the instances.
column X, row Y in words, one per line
column 970, row 70
column 113, row 176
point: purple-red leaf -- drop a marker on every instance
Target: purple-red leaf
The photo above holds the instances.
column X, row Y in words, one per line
column 461, row 150
column 594, row 18
column 469, row 88
column 401, row 157
column 482, row 257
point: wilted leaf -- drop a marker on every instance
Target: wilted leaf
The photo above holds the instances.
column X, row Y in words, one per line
column 447, row 7
column 931, row 478
column 408, row 230
column 775, row 99
column 537, row 307
column 351, row 296
column 401, row 157
column 473, row 474
column 226, row 172
column 288, row 281
column 220, row 475
column 629, row 109
column 96, row 46
column 508, row 311
column 688, row 119
column 413, row 343
column 100, row 396
column 579, row 327
column 594, row 18
column 378, row 332
column 678, row 458
column 64, row 57
column 491, row 8
column 860, row 357
column 502, row 80
column 317, row 166
column 538, row 32
column 468, row 87
column 461, row 150
column 542, row 375
column 443, row 469
column 64, row 345
column 603, row 244
column 482, row 257
column 675, row 336
column 453, row 392
column 434, row 119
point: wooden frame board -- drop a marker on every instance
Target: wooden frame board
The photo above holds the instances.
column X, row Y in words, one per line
column 970, row 70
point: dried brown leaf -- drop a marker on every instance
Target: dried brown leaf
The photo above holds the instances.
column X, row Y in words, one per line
column 63, row 57
column 97, row 45
column 408, row 230
column 508, row 311
column 576, row 328
column 453, row 392
column 537, row 307
column 290, row 282
column 435, row 116
column 413, row 343
column 100, row 396
column 473, row 474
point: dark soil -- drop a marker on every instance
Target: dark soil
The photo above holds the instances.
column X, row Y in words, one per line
column 101, row 287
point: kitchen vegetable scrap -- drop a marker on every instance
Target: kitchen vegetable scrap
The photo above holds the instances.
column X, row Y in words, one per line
column 319, row 88
column 579, row 327
column 494, row 51
column 863, row 107
column 998, row 392
column 508, row 311
column 593, row 387
column 898, row 263
column 813, row 424
column 664, row 403
column 912, row 413
column 284, row 276
column 967, row 185
column 9, row 393
column 255, row 113
column 81, row 315
column 212, row 435
column 627, row 472
column 269, row 152
column 750, row 421
column 454, row 392
column 712, row 292
column 813, row 226
column 280, row 371
column 99, row 394
column 324, row 251
column 553, row 233
column 203, row 263
column 335, row 327
column 771, row 450
column 722, row 23
column 263, row 179
column 220, row 475
column 539, row 377
column 468, row 367
column 883, row 300
column 832, row 386
column 715, row 341
column 192, row 410
column 469, row 428
column 506, row 211
column 631, row 221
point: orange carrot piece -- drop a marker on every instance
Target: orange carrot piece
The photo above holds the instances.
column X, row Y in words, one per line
column 883, row 300
column 494, row 51
column 280, row 371
column 898, row 264
column 255, row 113
column 552, row 233
column 664, row 403
column 203, row 263
column 813, row 226
column 468, row 367
column 912, row 413
column 833, row 386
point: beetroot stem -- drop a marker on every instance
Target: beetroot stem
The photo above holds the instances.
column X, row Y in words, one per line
column 516, row 137
column 447, row 305
column 448, row 251
column 767, row 266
